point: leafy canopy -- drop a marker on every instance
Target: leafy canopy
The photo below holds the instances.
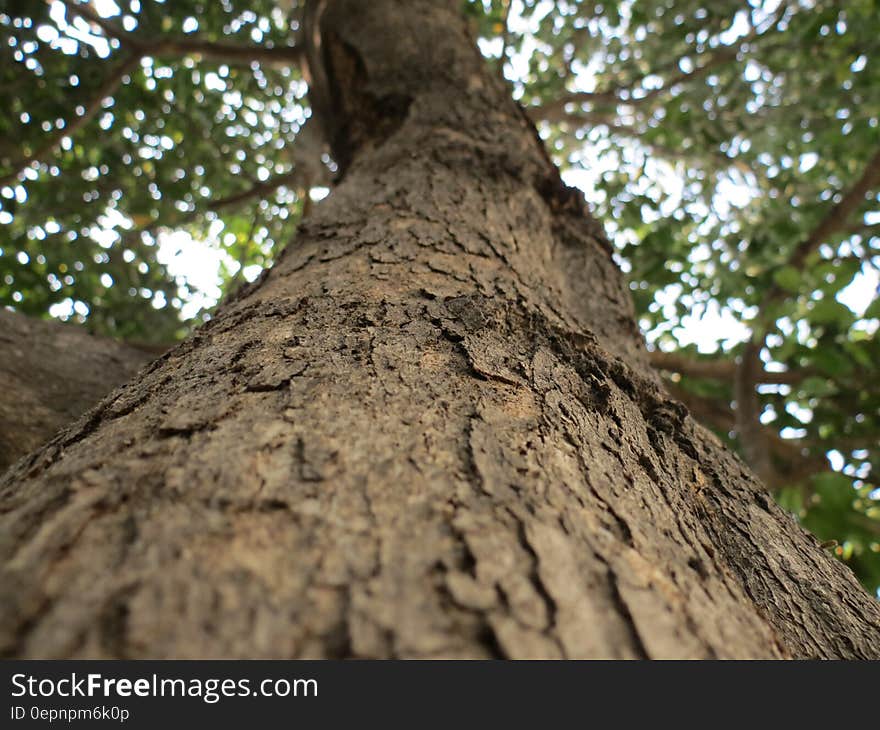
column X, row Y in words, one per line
column 732, row 148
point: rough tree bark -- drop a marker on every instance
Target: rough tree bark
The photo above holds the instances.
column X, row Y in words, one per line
column 431, row 430
column 50, row 373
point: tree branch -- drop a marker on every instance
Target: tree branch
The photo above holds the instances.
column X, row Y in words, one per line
column 748, row 404
column 835, row 220
column 867, row 231
column 717, row 369
column 555, row 111
column 260, row 190
column 749, row 428
column 791, row 462
column 226, row 52
column 50, row 373
column 92, row 107
column 187, row 46
column 137, row 49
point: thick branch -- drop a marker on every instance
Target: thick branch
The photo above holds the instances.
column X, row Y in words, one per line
column 260, row 190
column 49, row 374
column 748, row 413
column 226, row 52
column 790, row 464
column 718, row 369
column 866, row 231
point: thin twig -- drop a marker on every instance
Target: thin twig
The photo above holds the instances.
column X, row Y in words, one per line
column 554, row 111
column 187, row 46
column 260, row 190
column 836, row 220
column 136, row 49
column 91, row 108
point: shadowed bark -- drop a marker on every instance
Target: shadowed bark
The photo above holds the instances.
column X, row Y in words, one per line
column 431, row 430
column 50, row 373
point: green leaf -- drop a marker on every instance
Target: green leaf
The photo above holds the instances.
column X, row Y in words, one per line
column 873, row 310
column 788, row 278
column 816, row 386
column 830, row 311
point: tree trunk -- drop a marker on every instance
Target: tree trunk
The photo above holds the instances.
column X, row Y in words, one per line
column 430, row 431
column 50, row 373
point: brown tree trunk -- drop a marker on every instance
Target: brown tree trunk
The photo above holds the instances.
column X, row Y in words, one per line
column 50, row 373
column 430, row 431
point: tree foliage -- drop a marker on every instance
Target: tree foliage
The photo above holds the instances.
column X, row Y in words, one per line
column 165, row 116
column 732, row 148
